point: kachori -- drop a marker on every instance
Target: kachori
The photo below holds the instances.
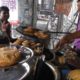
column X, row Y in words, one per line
column 9, row 56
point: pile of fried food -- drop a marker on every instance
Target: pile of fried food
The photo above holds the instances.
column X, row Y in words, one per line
column 68, row 57
column 71, row 58
column 9, row 56
column 35, row 32
column 74, row 75
column 35, row 46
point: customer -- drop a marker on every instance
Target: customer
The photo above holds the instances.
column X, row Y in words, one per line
column 4, row 25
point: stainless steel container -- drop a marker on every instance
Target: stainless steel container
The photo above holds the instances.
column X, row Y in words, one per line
column 46, row 71
column 18, row 72
column 42, row 25
column 21, row 69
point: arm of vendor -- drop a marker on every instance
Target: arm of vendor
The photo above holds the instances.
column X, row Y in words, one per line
column 67, row 39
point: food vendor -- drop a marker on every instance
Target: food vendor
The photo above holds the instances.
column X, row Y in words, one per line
column 73, row 37
column 67, row 18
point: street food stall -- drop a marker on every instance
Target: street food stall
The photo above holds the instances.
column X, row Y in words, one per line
column 32, row 55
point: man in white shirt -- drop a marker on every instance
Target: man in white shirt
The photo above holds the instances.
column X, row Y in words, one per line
column 69, row 18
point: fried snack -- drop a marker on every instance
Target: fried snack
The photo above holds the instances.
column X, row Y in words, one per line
column 38, row 44
column 61, row 60
column 28, row 31
column 37, row 51
column 2, row 45
column 41, row 35
column 18, row 42
column 32, row 44
column 74, row 75
column 26, row 43
column 9, row 56
column 35, row 44
column 72, row 58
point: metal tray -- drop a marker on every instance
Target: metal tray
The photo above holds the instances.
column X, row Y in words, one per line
column 18, row 72
column 21, row 28
column 26, row 53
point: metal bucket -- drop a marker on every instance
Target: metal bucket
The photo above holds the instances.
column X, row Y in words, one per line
column 42, row 24
column 46, row 71
column 49, row 55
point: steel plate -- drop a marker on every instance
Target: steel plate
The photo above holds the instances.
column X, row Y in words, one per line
column 26, row 54
column 15, row 73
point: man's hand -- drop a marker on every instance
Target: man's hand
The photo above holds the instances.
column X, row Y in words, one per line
column 61, row 43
